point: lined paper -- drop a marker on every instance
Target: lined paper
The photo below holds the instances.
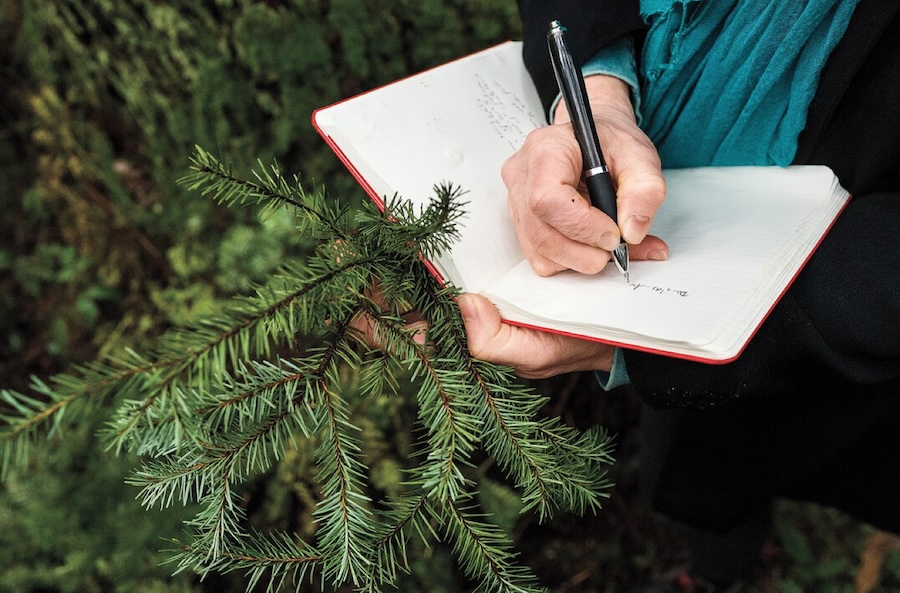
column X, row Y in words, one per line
column 731, row 255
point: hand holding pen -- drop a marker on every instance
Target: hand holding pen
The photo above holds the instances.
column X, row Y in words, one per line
column 601, row 190
column 557, row 228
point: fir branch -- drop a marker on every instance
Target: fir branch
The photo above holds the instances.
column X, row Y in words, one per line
column 431, row 231
column 278, row 557
column 249, row 327
column 212, row 178
column 485, row 552
column 40, row 413
column 388, row 557
column 189, row 475
column 210, row 406
column 218, row 524
column 514, row 437
column 254, row 391
column 509, row 439
column 346, row 522
column 445, row 408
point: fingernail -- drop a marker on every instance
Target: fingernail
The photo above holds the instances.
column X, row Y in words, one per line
column 636, row 227
column 658, row 255
column 609, row 241
column 420, row 336
column 467, row 309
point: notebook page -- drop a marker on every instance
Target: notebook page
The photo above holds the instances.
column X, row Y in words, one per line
column 455, row 123
column 792, row 256
column 736, row 236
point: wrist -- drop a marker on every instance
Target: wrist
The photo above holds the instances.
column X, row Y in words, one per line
column 607, row 95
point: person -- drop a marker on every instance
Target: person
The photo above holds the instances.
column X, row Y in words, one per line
column 809, row 410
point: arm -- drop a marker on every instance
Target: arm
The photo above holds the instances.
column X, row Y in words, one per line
column 600, row 22
column 556, row 226
column 838, row 328
column 557, row 229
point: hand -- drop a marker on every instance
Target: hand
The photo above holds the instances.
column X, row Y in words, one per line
column 534, row 354
column 556, row 226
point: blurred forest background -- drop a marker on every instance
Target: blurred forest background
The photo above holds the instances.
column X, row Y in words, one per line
column 101, row 103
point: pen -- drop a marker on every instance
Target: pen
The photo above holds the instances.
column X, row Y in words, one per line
column 596, row 175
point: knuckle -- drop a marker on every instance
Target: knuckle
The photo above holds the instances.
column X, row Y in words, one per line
column 541, row 203
column 543, row 266
column 509, row 170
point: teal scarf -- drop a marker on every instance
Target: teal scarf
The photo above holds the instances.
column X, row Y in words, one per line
column 729, row 82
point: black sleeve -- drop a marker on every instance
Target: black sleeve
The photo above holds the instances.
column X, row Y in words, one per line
column 592, row 25
column 837, row 327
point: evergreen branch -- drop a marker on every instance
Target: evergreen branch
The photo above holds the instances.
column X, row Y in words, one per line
column 215, row 179
column 213, row 335
column 509, row 429
column 389, row 548
column 210, row 408
column 28, row 415
column 485, row 552
column 211, row 469
column 346, row 522
column 445, row 407
column 513, row 435
column 280, row 555
column 218, row 524
column 258, row 384
column 379, row 376
column 584, row 457
column 558, row 466
column 429, row 232
column 189, row 476
column 183, row 350
column 196, row 350
column 21, row 425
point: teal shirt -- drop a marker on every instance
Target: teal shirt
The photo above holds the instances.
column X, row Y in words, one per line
column 724, row 82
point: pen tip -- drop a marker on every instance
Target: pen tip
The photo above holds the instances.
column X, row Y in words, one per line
column 620, row 257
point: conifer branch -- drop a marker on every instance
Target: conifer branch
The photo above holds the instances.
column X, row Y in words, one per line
column 211, row 406
column 278, row 556
column 485, row 552
column 211, row 177
column 444, row 409
column 249, row 328
column 389, row 547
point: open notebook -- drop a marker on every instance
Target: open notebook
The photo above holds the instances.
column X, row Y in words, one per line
column 738, row 235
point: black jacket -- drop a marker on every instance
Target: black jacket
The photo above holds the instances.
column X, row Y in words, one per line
column 818, row 387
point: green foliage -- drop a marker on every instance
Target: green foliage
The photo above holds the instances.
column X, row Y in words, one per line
column 218, row 402
column 84, row 535
column 101, row 103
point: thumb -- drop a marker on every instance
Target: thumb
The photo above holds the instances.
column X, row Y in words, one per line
column 533, row 354
column 493, row 341
column 485, row 332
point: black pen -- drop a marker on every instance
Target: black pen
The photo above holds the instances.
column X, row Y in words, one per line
column 596, row 175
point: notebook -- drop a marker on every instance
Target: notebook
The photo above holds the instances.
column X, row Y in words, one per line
column 738, row 236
